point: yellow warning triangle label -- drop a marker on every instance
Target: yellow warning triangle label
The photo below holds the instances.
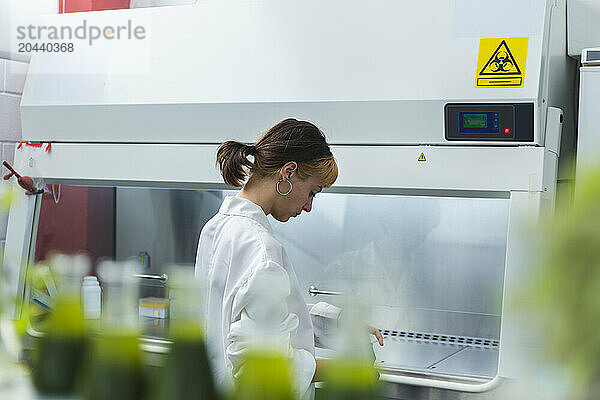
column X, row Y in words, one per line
column 422, row 157
column 502, row 62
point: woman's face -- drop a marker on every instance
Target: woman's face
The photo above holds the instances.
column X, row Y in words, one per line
column 300, row 199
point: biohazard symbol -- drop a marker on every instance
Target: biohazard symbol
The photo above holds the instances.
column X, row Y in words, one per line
column 506, row 66
column 422, row 157
column 502, row 62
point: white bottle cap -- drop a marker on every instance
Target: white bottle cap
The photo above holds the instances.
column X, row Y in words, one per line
column 91, row 296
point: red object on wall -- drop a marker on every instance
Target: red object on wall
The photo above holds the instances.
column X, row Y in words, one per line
column 82, row 221
column 71, row 6
column 99, row 5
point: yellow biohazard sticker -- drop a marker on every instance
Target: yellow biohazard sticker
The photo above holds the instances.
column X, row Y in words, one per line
column 501, row 62
column 422, row 157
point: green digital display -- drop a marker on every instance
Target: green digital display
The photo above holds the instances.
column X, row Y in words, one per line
column 475, row 120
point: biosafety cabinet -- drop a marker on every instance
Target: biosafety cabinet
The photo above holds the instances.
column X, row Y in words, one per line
column 451, row 126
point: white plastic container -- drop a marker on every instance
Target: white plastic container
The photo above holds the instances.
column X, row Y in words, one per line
column 91, row 296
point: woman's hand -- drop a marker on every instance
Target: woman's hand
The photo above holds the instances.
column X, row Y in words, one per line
column 378, row 335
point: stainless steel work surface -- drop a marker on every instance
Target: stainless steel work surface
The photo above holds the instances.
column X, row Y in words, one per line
column 409, row 354
column 471, row 361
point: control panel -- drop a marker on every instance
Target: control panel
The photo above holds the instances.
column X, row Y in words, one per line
column 489, row 122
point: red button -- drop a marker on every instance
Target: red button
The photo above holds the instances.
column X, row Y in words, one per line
column 506, row 130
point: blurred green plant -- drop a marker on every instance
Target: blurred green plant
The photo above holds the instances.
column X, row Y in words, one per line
column 566, row 288
column 8, row 195
column 10, row 343
column 34, row 315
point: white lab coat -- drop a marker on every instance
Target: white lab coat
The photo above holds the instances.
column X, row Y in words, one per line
column 251, row 286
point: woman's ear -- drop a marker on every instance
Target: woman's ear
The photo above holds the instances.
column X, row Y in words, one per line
column 288, row 170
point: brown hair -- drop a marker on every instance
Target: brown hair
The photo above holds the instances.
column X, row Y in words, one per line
column 289, row 140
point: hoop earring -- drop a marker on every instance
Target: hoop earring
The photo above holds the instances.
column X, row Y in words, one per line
column 279, row 191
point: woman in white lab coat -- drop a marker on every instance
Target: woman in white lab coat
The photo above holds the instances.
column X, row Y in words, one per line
column 252, row 286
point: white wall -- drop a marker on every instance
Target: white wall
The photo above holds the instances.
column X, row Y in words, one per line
column 12, row 79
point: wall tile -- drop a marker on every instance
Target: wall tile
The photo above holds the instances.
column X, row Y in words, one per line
column 8, row 152
column 15, row 76
column 10, row 117
column 2, row 73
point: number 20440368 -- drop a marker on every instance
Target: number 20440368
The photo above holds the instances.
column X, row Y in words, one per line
column 46, row 47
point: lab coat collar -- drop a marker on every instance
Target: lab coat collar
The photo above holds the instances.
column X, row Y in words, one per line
column 233, row 205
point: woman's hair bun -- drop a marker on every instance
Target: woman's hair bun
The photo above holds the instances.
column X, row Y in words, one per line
column 232, row 157
column 289, row 140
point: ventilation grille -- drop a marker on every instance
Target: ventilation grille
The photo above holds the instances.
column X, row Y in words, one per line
column 445, row 339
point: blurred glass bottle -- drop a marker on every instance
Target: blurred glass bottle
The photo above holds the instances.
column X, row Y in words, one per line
column 266, row 372
column 60, row 351
column 188, row 374
column 266, row 375
column 115, row 370
column 351, row 375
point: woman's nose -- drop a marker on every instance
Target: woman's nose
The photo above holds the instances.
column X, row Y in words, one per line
column 308, row 206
